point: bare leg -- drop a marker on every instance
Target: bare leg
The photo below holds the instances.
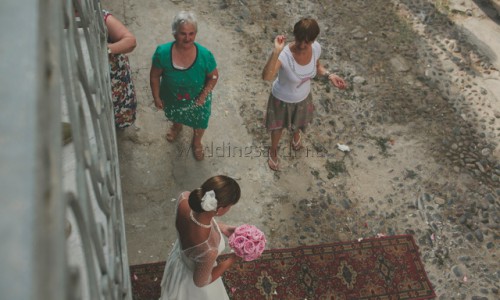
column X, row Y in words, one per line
column 197, row 135
column 197, row 145
column 177, row 126
column 174, row 131
column 296, row 140
column 273, row 152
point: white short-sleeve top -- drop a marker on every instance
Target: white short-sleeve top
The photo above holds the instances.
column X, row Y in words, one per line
column 293, row 83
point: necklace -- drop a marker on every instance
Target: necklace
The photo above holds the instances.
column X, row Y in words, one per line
column 198, row 223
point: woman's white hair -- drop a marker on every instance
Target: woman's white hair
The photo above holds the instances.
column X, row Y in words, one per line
column 184, row 17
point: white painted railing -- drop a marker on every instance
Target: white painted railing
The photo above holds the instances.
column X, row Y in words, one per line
column 62, row 227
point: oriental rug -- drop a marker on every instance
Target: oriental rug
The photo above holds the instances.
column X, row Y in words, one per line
column 375, row 268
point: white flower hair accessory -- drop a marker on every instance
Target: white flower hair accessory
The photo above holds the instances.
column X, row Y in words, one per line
column 209, row 202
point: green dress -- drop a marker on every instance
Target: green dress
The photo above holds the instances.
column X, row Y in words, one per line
column 179, row 88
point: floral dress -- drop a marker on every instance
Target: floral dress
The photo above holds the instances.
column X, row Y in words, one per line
column 122, row 88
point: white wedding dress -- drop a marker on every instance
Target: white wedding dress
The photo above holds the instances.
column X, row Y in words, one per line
column 178, row 282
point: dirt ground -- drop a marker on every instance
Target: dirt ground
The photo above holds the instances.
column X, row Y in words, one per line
column 421, row 118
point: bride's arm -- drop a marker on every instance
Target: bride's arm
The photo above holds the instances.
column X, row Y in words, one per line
column 223, row 266
column 202, row 274
column 227, row 230
column 205, row 273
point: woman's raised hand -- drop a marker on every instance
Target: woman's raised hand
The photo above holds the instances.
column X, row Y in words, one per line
column 279, row 42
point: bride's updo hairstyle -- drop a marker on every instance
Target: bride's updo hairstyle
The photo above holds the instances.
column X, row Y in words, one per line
column 227, row 191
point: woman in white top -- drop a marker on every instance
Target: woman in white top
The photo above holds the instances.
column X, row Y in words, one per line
column 191, row 271
column 290, row 103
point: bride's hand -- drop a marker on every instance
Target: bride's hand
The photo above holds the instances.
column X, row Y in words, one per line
column 226, row 229
column 234, row 258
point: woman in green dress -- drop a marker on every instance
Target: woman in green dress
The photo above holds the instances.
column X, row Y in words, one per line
column 182, row 76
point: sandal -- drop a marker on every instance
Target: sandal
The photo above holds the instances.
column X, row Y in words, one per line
column 296, row 146
column 273, row 165
column 198, row 153
column 173, row 133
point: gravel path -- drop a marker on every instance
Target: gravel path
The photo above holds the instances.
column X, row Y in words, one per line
column 421, row 119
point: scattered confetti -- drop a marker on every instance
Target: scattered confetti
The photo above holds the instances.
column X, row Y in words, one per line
column 343, row 148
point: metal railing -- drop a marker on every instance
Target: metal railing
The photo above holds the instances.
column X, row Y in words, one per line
column 61, row 224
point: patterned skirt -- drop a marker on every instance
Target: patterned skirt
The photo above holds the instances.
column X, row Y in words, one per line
column 292, row 116
column 122, row 89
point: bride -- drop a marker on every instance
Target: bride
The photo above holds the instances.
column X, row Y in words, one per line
column 191, row 271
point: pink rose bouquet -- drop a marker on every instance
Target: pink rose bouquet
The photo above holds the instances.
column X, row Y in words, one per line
column 248, row 242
